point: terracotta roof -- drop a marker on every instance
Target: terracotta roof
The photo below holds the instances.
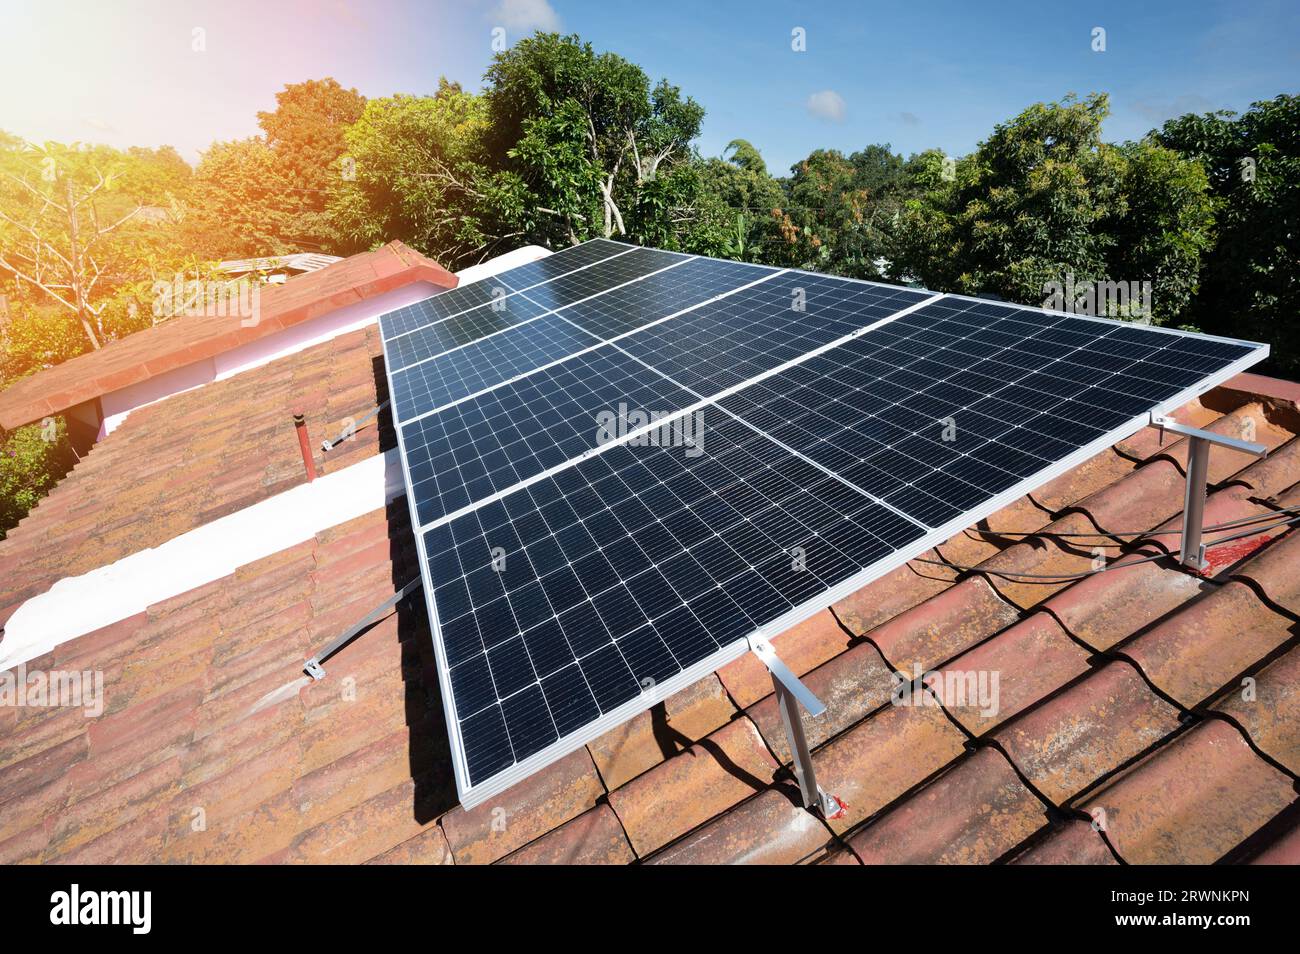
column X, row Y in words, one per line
column 1146, row 714
column 182, row 341
column 199, row 455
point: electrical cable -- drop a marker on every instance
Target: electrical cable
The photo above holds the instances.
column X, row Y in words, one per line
column 1014, row 576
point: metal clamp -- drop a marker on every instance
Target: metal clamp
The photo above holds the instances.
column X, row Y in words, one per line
column 1192, row 551
column 791, row 696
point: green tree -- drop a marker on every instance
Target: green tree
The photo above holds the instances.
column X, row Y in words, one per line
column 416, row 173
column 32, row 460
column 837, row 209
column 1045, row 201
column 241, row 204
column 70, row 225
column 1251, row 282
column 738, row 204
column 580, row 146
column 306, row 132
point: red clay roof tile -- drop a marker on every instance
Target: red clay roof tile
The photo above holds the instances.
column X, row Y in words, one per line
column 647, row 739
column 1087, row 731
column 690, row 788
column 851, row 685
column 1284, row 851
column 1268, row 709
column 1188, row 657
column 1274, row 572
column 1013, row 572
column 176, row 465
column 938, row 629
column 593, row 838
column 1105, row 608
column 1074, row 843
column 184, row 340
column 772, row 828
column 801, row 648
column 876, row 761
column 1192, row 800
column 1028, row 660
column 524, row 812
column 1079, row 482
column 973, row 814
column 891, row 594
column 427, row 848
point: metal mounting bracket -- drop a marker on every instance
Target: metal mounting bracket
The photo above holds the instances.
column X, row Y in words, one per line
column 1192, row 551
column 313, row 667
column 792, row 696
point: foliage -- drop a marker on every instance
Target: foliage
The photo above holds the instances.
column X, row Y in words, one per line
column 73, row 227
column 306, row 133
column 739, row 204
column 580, row 146
column 1044, row 200
column 1251, row 284
column 416, row 176
column 30, row 464
column 240, row 204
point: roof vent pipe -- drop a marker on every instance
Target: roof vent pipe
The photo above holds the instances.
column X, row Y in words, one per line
column 304, row 444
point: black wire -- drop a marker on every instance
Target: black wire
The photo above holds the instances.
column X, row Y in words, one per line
column 1227, row 525
column 1067, row 577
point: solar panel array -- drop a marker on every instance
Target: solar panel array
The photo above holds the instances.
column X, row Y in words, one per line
column 622, row 462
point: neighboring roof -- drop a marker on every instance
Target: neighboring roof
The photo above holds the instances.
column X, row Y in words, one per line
column 199, row 455
column 183, row 341
column 1118, row 703
column 299, row 262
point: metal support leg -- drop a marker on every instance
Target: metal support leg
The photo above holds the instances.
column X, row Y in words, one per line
column 1192, row 552
column 792, row 720
column 1198, row 462
column 792, row 696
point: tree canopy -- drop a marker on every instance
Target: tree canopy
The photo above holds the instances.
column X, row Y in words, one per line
column 1251, row 274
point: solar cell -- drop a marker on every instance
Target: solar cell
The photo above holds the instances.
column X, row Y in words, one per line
column 566, row 599
column 953, row 403
column 574, row 286
column 482, row 446
column 664, row 293
column 454, row 301
column 821, row 431
column 440, row 337
column 724, row 343
column 486, row 363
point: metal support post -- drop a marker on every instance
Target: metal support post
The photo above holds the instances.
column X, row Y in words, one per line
column 1192, row 551
column 792, row 696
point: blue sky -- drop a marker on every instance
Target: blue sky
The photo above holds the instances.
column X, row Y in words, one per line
column 916, row 75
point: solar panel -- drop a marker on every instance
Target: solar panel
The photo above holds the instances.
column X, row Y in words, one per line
column 454, row 301
column 632, row 567
column 955, row 402
column 643, row 458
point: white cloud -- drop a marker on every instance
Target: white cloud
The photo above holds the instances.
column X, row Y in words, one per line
column 827, row 104
column 525, row 16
